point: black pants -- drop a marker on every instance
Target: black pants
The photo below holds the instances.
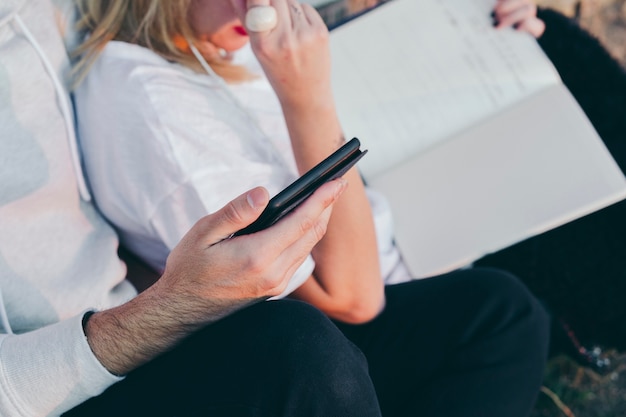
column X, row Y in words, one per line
column 470, row 343
column 579, row 269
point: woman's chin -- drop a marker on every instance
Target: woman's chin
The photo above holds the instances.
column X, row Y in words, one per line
column 235, row 47
column 231, row 39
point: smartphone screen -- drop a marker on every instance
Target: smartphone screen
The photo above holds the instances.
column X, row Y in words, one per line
column 334, row 166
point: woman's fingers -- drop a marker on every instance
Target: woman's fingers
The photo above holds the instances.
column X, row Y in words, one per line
column 521, row 14
column 300, row 15
column 261, row 19
column 253, row 3
column 514, row 17
column 504, row 7
column 296, row 13
column 294, row 55
column 258, row 16
column 312, row 16
column 534, row 26
column 262, row 16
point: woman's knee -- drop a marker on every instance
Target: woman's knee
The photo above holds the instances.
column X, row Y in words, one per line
column 509, row 292
column 508, row 306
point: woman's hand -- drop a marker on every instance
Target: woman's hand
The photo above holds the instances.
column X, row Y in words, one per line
column 521, row 14
column 295, row 54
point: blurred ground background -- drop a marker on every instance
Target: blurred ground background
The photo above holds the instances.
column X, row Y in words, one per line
column 570, row 389
column 606, row 19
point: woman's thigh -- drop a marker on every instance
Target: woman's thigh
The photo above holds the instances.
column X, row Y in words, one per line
column 473, row 342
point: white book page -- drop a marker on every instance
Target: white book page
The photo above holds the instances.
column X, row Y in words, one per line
column 540, row 164
column 412, row 73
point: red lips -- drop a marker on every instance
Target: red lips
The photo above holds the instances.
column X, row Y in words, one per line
column 240, row 30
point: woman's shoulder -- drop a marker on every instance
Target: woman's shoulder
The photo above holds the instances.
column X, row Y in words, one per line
column 129, row 68
column 133, row 78
column 129, row 52
column 123, row 61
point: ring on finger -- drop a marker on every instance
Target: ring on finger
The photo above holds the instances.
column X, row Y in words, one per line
column 261, row 18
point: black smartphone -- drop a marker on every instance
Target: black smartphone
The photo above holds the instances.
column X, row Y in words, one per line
column 334, row 166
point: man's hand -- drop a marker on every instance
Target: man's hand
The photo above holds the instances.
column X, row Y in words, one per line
column 213, row 274
column 208, row 276
column 521, row 14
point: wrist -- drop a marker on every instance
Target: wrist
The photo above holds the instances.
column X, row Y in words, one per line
column 306, row 100
column 125, row 337
column 86, row 318
column 312, row 116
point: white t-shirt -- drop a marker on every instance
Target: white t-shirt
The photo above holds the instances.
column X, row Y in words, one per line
column 164, row 146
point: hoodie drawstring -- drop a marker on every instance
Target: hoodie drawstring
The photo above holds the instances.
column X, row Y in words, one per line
column 4, row 317
column 65, row 109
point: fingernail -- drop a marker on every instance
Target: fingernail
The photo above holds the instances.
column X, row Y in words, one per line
column 257, row 198
column 495, row 21
column 341, row 185
column 493, row 14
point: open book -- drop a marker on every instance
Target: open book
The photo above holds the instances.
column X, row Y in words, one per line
column 471, row 134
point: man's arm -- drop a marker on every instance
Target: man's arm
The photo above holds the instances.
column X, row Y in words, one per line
column 208, row 277
column 54, row 368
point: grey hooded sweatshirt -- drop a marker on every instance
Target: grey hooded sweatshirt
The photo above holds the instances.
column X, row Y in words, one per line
column 57, row 255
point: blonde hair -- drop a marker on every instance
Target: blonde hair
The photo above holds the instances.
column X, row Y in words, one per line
column 160, row 25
